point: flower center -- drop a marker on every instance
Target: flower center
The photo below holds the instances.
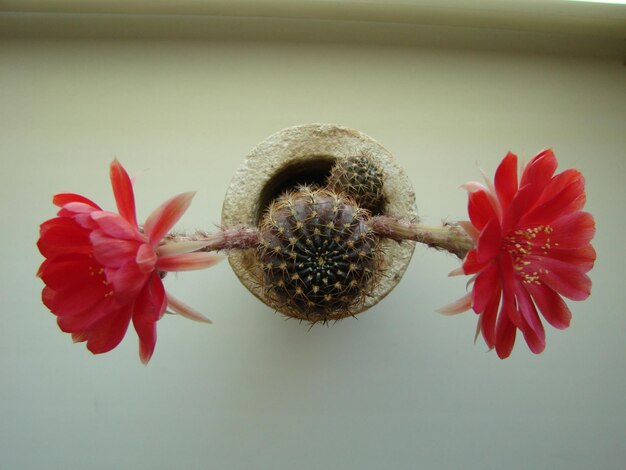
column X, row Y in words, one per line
column 527, row 247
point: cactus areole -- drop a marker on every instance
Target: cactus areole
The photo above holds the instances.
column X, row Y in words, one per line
column 312, row 190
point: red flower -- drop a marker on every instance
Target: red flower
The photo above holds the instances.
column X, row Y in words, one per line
column 101, row 269
column 532, row 247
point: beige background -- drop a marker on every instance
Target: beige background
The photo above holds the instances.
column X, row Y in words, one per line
column 400, row 388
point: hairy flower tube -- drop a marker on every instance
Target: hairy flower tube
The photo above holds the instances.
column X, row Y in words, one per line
column 102, row 269
column 532, row 247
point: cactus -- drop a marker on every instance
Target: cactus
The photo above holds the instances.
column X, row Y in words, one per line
column 360, row 178
column 318, row 254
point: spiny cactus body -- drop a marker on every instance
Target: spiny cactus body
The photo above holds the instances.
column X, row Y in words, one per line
column 319, row 256
column 360, row 178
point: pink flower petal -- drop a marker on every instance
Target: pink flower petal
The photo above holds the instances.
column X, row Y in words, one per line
column 71, row 209
column 469, row 229
column 185, row 310
column 188, row 261
column 123, row 192
column 146, row 258
column 115, row 226
column 456, row 272
column 178, row 248
column 461, row 305
column 165, row 217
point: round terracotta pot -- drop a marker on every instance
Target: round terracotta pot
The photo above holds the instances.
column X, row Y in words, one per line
column 306, row 154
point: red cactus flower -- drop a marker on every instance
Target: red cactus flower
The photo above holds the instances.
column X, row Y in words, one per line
column 102, row 270
column 532, row 247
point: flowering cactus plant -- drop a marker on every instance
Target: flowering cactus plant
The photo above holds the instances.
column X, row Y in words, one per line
column 526, row 245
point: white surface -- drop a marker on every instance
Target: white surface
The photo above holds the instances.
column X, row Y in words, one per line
column 400, row 388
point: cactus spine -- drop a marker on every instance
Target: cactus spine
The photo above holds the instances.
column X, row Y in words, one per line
column 319, row 255
column 360, row 178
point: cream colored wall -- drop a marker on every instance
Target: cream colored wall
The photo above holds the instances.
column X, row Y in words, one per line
column 400, row 388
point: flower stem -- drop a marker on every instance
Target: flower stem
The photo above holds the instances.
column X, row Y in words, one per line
column 448, row 237
column 239, row 237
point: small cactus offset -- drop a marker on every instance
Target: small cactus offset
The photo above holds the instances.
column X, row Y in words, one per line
column 360, row 178
column 318, row 253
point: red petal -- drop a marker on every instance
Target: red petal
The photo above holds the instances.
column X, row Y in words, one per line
column 561, row 204
column 560, row 182
column 551, row 305
column 80, row 323
column 487, row 283
column 62, row 199
column 149, row 307
column 540, row 169
column 63, row 235
column 489, row 242
column 127, row 281
column 506, row 179
column 488, row 319
column 106, row 333
column 563, row 278
column 113, row 252
column 534, row 335
column 123, row 192
column 71, row 272
column 581, row 259
column 505, row 335
column 480, row 209
column 573, row 230
column 71, row 302
column 520, row 205
column 165, row 217
column 471, row 264
column 509, row 306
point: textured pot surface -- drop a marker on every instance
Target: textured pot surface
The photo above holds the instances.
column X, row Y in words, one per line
column 301, row 154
